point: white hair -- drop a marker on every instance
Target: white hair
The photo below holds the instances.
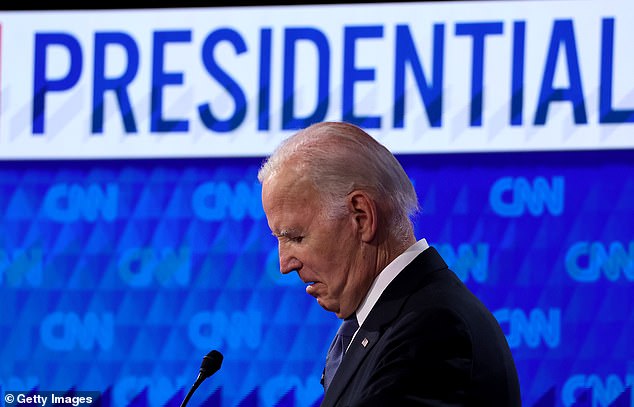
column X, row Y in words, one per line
column 339, row 158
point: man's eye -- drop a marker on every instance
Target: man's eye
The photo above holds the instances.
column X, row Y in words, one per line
column 297, row 239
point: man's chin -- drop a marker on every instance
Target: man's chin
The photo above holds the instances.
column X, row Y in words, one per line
column 326, row 306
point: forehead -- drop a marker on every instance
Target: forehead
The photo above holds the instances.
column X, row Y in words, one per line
column 289, row 197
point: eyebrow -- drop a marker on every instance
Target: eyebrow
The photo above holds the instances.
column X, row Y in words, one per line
column 285, row 233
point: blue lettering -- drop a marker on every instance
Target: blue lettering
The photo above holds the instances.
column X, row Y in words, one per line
column 431, row 92
column 67, row 203
column 569, row 391
column 563, row 35
column 352, row 74
column 292, row 35
column 523, row 196
column 139, row 266
column 604, row 392
column 467, row 261
column 117, row 84
column 41, row 84
column 160, row 78
column 517, row 76
column 214, row 328
column 231, row 86
column 65, row 331
column 585, row 261
column 264, row 105
column 213, row 201
column 478, row 31
column 607, row 114
column 531, row 328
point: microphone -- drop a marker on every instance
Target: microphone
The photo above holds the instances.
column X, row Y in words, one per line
column 210, row 365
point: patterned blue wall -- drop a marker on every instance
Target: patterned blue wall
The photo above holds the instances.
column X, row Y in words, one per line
column 119, row 276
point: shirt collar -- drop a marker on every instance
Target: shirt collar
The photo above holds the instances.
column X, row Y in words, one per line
column 386, row 276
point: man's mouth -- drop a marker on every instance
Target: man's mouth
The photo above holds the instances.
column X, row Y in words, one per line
column 311, row 287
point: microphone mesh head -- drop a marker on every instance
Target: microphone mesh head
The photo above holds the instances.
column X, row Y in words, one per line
column 211, row 363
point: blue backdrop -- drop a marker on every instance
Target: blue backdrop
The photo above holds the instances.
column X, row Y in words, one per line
column 119, row 276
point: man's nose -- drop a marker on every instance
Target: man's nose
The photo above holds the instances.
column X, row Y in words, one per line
column 288, row 262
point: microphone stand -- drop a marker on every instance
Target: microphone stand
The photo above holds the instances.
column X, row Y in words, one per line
column 210, row 365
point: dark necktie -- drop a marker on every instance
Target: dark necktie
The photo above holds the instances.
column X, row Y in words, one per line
column 338, row 347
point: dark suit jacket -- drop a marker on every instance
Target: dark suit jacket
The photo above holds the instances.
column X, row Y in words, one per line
column 428, row 341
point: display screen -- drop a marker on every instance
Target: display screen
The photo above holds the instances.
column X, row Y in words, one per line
column 132, row 235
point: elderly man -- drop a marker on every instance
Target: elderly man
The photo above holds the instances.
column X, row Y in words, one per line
column 340, row 205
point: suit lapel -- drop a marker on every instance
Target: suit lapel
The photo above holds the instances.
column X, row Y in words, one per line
column 418, row 272
column 358, row 350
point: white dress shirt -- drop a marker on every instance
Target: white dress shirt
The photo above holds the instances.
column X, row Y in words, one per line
column 385, row 277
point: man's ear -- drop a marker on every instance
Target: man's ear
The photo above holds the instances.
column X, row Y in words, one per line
column 364, row 214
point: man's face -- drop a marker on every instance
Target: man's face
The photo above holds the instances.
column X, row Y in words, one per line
column 326, row 253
